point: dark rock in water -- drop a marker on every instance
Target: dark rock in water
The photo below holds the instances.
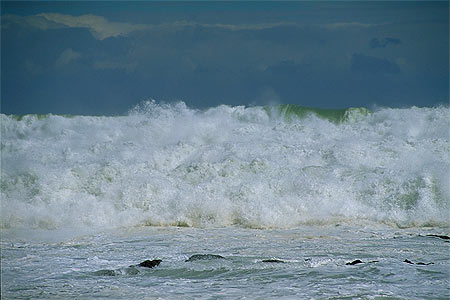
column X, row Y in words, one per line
column 419, row 263
column 204, row 257
column 444, row 237
column 150, row 263
column 424, row 264
column 355, row 262
column 273, row 261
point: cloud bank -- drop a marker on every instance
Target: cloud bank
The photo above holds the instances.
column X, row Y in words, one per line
column 87, row 61
column 98, row 26
column 66, row 57
column 101, row 28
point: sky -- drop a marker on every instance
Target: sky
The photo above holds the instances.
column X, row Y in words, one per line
column 103, row 58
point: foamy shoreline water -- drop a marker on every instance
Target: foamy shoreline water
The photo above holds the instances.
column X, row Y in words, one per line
column 309, row 262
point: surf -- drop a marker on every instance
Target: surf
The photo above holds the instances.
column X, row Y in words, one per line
column 254, row 167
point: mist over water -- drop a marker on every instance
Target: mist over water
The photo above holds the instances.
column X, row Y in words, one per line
column 226, row 166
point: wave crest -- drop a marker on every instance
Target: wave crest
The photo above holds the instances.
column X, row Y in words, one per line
column 254, row 167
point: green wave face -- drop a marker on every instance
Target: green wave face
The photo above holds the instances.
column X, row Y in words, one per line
column 292, row 111
column 38, row 116
column 287, row 111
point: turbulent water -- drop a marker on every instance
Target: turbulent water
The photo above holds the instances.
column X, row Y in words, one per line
column 249, row 183
column 251, row 167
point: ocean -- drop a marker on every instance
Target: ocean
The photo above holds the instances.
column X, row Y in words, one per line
column 274, row 202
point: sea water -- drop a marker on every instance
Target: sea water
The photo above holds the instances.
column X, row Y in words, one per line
column 287, row 196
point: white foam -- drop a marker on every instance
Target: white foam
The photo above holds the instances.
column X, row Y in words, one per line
column 171, row 165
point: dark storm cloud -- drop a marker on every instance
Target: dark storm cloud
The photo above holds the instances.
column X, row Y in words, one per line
column 383, row 43
column 217, row 53
column 372, row 65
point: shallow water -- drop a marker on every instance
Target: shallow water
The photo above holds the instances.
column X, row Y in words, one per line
column 312, row 263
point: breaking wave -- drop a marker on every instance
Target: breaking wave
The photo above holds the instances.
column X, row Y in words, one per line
column 261, row 167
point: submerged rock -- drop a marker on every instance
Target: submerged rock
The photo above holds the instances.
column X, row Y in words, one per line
column 131, row 270
column 105, row 273
column 150, row 263
column 355, row 262
column 204, row 257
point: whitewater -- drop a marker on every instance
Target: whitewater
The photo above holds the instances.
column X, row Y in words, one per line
column 171, row 165
column 85, row 197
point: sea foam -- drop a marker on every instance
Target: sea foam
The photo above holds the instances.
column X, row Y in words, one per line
column 226, row 166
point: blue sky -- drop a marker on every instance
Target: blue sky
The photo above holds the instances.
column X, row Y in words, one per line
column 105, row 57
